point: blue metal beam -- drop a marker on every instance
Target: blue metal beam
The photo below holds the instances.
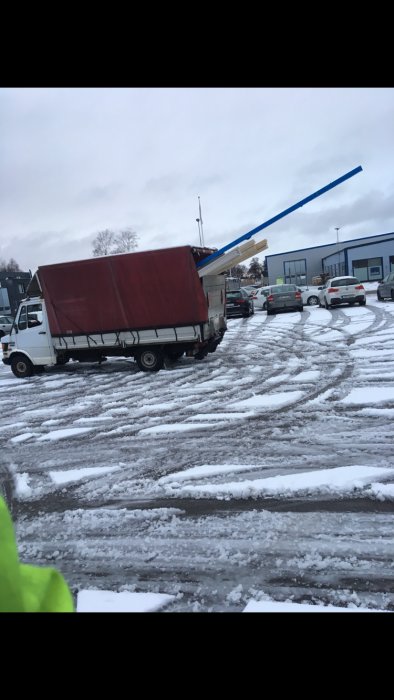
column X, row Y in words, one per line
column 249, row 234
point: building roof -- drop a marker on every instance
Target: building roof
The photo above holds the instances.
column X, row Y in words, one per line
column 326, row 245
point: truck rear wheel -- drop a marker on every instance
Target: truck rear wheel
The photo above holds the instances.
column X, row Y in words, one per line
column 150, row 360
column 21, row 366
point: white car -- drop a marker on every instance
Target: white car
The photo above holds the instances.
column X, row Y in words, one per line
column 5, row 325
column 260, row 298
column 310, row 295
column 342, row 290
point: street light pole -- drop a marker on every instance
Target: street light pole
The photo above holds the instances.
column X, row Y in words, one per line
column 339, row 254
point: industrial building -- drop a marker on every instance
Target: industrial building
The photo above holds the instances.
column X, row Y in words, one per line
column 13, row 286
column 369, row 259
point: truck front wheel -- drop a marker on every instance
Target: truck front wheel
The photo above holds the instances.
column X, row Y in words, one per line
column 150, row 360
column 21, row 366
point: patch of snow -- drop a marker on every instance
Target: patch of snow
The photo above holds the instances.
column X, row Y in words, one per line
column 109, row 601
column 274, row 607
column 65, row 433
column 324, row 481
column 270, row 401
column 64, row 477
column 370, row 394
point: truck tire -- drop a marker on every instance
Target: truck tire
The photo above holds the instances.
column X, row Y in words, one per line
column 21, row 366
column 150, row 360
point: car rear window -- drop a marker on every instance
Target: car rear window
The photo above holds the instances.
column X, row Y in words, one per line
column 234, row 295
column 283, row 288
column 346, row 281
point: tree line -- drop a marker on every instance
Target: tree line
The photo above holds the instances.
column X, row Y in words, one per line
column 108, row 242
column 10, row 266
column 255, row 269
column 125, row 240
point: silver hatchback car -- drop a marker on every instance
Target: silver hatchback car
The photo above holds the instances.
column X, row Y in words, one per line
column 385, row 289
column 283, row 297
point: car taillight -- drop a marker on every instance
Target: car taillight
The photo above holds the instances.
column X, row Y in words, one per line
column 270, row 298
column 298, row 295
column 332, row 290
column 239, row 301
column 359, row 286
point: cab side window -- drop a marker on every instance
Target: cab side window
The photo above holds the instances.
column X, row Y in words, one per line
column 34, row 315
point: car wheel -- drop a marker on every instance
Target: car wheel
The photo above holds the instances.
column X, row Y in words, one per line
column 313, row 301
column 265, row 306
column 301, row 308
column 362, row 303
column 392, row 295
column 21, row 366
column 380, row 298
column 150, row 360
column 326, row 304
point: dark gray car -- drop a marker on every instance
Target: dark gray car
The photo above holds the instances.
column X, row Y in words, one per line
column 385, row 289
column 282, row 297
column 238, row 303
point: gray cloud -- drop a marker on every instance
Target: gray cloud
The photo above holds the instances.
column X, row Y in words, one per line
column 74, row 161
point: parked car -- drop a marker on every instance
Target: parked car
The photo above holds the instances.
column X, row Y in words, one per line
column 250, row 290
column 386, row 288
column 282, row 297
column 238, row 303
column 260, row 297
column 310, row 295
column 342, row 290
column 5, row 325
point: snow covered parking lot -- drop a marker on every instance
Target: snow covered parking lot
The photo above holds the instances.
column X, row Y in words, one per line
column 263, row 473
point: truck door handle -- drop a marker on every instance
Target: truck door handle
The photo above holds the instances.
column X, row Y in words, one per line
column 42, row 332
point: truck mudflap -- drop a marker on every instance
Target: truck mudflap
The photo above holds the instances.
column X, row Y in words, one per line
column 209, row 346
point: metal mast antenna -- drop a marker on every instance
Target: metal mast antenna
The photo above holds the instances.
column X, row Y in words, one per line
column 199, row 231
column 202, row 231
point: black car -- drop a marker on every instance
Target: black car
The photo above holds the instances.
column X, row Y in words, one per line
column 238, row 303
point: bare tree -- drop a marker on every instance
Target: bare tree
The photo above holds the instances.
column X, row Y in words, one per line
column 11, row 266
column 102, row 244
column 125, row 241
column 238, row 271
column 255, row 268
column 108, row 242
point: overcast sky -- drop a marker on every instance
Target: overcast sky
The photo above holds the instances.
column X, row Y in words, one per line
column 76, row 161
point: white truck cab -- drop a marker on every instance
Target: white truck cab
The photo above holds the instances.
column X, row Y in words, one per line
column 28, row 344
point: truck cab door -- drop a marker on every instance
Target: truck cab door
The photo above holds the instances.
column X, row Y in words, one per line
column 32, row 334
